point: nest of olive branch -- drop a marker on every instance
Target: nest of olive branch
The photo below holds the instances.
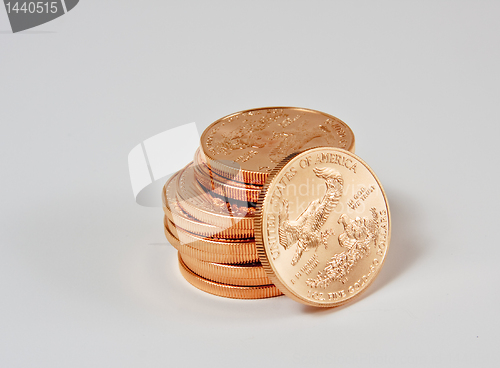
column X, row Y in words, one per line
column 342, row 263
column 338, row 267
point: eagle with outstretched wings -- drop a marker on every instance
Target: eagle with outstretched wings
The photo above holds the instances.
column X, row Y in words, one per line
column 305, row 231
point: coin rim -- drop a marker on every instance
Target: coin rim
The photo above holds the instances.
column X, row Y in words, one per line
column 222, row 220
column 237, row 193
column 225, row 290
column 259, row 238
column 252, row 274
column 258, row 177
column 207, row 256
column 193, row 225
column 205, row 170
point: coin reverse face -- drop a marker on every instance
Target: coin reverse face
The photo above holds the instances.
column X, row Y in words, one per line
column 247, row 145
column 322, row 226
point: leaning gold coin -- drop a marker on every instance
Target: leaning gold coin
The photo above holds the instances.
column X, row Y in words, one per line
column 247, row 145
column 228, row 291
column 234, row 274
column 322, row 226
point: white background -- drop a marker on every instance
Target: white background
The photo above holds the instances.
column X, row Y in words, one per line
column 87, row 278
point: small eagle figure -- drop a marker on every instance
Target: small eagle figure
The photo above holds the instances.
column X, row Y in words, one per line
column 357, row 236
column 305, row 231
column 358, row 233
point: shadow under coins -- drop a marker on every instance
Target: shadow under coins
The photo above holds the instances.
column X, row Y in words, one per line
column 405, row 248
column 208, row 308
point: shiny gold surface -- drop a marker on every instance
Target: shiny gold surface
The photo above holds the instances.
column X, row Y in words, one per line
column 200, row 204
column 205, row 170
column 228, row 291
column 247, row 145
column 235, row 274
column 228, row 191
column 210, row 250
column 182, row 219
column 214, row 245
column 226, row 188
column 322, row 226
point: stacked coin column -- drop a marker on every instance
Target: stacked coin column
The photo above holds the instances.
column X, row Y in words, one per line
column 214, row 236
column 210, row 205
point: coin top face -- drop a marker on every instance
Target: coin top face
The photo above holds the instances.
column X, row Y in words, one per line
column 322, row 226
column 258, row 139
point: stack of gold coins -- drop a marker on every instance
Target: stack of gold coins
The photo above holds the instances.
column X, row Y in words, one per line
column 210, row 204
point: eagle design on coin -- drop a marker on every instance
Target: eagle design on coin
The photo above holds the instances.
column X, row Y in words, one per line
column 305, row 231
column 356, row 239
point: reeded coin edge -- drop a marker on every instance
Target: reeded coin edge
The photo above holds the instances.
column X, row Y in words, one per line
column 183, row 219
column 221, row 219
column 207, row 256
column 228, row 191
column 254, row 177
column 230, row 274
column 259, row 236
column 227, row 291
column 217, row 246
column 218, row 179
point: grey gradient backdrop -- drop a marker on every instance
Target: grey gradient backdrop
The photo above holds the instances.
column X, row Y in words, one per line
column 86, row 276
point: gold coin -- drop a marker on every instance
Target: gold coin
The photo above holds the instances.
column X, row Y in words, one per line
column 213, row 245
column 322, row 226
column 228, row 291
column 205, row 170
column 200, row 204
column 233, row 274
column 223, row 187
column 247, row 145
column 209, row 250
column 228, row 191
column 182, row 219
